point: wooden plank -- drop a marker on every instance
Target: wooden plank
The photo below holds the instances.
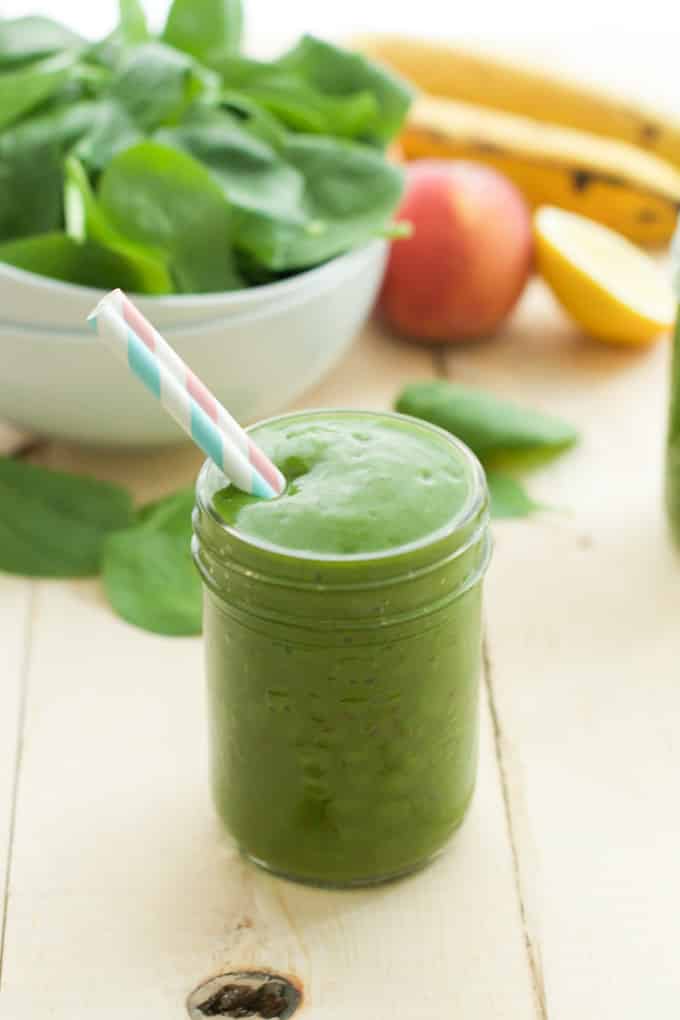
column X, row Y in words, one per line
column 117, row 853
column 140, row 899
column 15, row 613
column 583, row 611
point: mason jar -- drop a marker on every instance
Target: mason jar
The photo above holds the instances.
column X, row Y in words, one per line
column 343, row 690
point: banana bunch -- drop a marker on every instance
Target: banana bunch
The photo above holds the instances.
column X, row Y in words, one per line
column 561, row 143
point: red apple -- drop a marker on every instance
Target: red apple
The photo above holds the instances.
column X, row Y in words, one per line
column 469, row 257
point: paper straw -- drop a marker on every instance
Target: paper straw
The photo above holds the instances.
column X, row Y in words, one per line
column 212, row 407
column 178, row 389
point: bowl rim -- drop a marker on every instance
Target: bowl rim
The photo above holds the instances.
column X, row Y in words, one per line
column 225, row 299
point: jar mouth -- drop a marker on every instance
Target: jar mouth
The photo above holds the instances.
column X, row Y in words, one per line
column 211, row 480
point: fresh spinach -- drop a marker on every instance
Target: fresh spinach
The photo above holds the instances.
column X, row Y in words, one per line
column 54, row 524
column 508, row 496
column 350, row 193
column 88, row 264
column 299, row 206
column 156, row 84
column 340, row 73
column 501, row 433
column 31, row 38
column 161, row 198
column 148, row 573
column 498, row 431
column 200, row 27
column 132, row 22
column 111, row 131
column 319, row 88
column 87, row 221
column 30, row 188
column 279, row 160
column 29, row 86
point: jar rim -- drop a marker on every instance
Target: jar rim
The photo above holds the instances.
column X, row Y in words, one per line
column 211, row 479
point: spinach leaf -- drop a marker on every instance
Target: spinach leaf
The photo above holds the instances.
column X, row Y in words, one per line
column 250, row 115
column 201, row 26
column 253, row 175
column 31, row 177
column 498, row 431
column 320, row 88
column 111, row 131
column 148, row 573
column 508, row 497
column 30, row 187
column 350, row 195
column 87, row 221
column 294, row 101
column 158, row 197
column 132, row 22
column 339, row 72
column 295, row 207
column 88, row 264
column 54, row 524
column 25, row 88
column 156, row 84
column 30, row 38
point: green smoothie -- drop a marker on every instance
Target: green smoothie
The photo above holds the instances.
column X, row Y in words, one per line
column 342, row 628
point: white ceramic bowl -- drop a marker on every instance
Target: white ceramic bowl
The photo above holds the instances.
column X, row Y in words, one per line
column 258, row 350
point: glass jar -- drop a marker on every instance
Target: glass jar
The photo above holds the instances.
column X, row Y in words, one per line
column 343, row 691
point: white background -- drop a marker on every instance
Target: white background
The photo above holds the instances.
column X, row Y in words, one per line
column 604, row 40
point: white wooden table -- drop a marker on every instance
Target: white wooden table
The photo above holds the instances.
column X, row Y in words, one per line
column 561, row 896
column 560, row 899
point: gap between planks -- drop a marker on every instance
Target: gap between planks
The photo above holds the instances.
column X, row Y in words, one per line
column 441, row 370
column 18, row 755
column 531, row 943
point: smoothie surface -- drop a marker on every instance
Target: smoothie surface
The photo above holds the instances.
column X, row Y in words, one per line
column 356, row 485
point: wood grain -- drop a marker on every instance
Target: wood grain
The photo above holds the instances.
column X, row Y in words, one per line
column 124, row 891
column 583, row 607
column 16, row 603
column 125, row 896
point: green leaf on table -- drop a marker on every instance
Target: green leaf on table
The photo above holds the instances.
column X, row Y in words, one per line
column 31, row 38
column 161, row 198
column 498, row 431
column 156, row 84
column 54, row 524
column 91, row 265
column 201, row 26
column 148, row 573
column 508, row 496
column 27, row 87
column 132, row 22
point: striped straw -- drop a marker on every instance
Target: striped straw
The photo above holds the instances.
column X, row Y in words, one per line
column 135, row 341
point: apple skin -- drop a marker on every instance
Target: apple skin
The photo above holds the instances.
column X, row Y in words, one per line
column 468, row 260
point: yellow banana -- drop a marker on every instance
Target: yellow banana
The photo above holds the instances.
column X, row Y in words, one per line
column 500, row 84
column 617, row 184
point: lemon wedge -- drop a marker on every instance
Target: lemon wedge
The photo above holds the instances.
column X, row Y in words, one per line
column 613, row 290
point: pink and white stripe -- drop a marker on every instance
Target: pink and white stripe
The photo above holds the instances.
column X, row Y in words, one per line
column 196, row 390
